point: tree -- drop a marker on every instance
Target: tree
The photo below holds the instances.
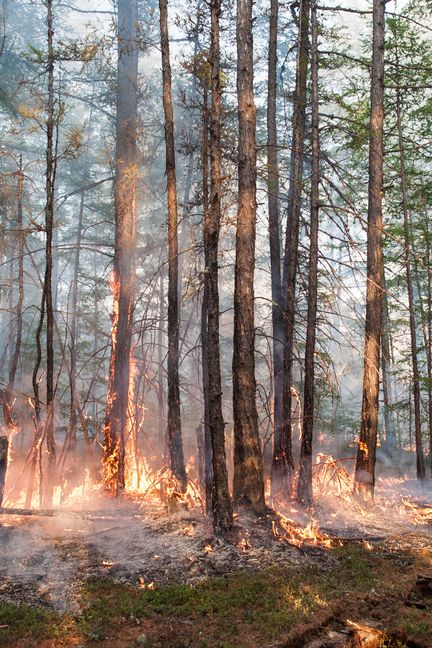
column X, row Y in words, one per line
column 51, row 165
column 8, row 397
column 366, row 453
column 123, row 279
column 283, row 464
column 248, row 487
column 222, row 511
column 274, row 235
column 208, row 452
column 304, row 492
column 175, row 442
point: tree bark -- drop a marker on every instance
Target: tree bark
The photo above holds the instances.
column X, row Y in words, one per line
column 221, row 501
column 175, row 442
column 208, row 452
column 366, row 453
column 304, row 492
column 386, row 373
column 274, row 232
column 123, row 280
column 49, row 227
column 283, row 464
column 248, row 487
column 8, row 398
column 429, row 334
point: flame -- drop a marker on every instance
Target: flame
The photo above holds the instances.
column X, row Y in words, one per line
column 299, row 536
column 363, row 448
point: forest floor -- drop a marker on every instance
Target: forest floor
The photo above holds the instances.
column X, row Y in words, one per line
column 129, row 576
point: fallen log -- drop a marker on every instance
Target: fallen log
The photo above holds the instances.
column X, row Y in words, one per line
column 70, row 512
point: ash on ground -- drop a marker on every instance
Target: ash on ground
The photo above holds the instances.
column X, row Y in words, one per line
column 45, row 559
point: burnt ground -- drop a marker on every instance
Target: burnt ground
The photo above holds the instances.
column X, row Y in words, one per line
column 48, row 557
column 123, row 559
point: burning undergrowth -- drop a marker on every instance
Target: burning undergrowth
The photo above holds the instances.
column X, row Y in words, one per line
column 157, row 535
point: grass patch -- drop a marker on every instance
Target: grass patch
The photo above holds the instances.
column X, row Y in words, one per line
column 35, row 622
column 265, row 605
column 241, row 610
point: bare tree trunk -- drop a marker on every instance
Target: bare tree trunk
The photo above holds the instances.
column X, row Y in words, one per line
column 125, row 245
column 248, row 487
column 429, row 334
column 208, row 454
column 366, row 454
column 421, row 473
column 34, row 452
column 49, row 227
column 8, row 397
column 386, row 373
column 175, row 442
column 274, row 233
column 304, row 492
column 283, row 464
column 221, row 501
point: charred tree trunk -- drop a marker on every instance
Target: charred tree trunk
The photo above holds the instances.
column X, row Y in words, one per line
column 123, row 281
column 175, row 442
column 304, row 492
column 366, row 453
column 36, row 403
column 49, row 228
column 283, row 464
column 208, row 454
column 421, row 473
column 248, row 487
column 8, row 397
column 274, row 231
column 221, row 501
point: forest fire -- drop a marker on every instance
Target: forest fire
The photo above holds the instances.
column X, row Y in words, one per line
column 216, row 323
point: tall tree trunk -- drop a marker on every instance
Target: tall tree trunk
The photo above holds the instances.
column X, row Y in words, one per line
column 175, row 442
column 123, row 281
column 208, row 452
column 366, row 453
column 283, row 464
column 8, row 397
column 49, row 227
column 248, row 487
column 429, row 333
column 421, row 473
column 304, row 493
column 274, row 233
column 221, row 502
column 386, row 373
